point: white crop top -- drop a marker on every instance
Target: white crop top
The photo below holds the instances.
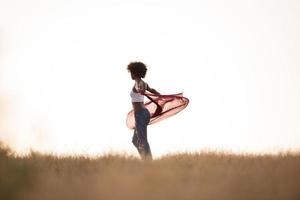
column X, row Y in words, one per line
column 135, row 96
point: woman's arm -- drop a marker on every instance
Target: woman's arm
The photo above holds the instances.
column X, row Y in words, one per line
column 152, row 90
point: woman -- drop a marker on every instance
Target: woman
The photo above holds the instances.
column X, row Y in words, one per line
column 141, row 114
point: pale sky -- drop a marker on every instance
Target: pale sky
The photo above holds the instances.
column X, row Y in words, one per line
column 64, row 87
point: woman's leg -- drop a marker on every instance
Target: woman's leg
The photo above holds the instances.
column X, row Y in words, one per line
column 135, row 141
column 140, row 135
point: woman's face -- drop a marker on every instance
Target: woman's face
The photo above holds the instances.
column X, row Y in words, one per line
column 132, row 76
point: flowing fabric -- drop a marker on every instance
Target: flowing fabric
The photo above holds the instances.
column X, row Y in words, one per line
column 160, row 107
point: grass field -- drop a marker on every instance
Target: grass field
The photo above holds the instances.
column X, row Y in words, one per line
column 203, row 175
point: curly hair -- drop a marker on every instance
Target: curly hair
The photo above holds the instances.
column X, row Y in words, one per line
column 138, row 69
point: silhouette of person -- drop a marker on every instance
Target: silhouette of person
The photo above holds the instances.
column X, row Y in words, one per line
column 141, row 113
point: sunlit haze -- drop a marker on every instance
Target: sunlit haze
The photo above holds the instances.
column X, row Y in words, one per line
column 64, row 87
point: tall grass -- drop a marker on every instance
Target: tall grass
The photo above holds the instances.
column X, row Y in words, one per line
column 203, row 175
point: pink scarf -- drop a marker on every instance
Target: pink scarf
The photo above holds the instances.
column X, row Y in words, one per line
column 160, row 107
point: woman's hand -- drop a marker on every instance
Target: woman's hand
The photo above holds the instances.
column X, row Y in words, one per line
column 157, row 111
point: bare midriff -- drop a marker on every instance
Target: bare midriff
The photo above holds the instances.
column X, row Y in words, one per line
column 137, row 106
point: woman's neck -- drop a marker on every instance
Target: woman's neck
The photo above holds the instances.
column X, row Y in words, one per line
column 137, row 80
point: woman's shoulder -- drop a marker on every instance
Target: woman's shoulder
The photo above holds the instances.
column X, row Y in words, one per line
column 141, row 84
